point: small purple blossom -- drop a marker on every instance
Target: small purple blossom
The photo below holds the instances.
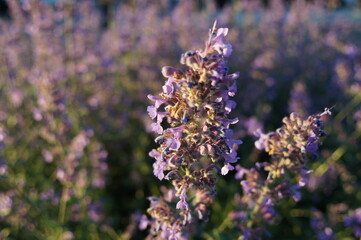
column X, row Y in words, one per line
column 168, row 87
column 152, row 111
column 353, row 221
column 219, row 45
column 240, row 172
column 311, row 147
column 157, row 128
column 230, row 104
column 226, row 168
column 173, row 143
column 262, row 139
column 143, row 222
column 177, row 131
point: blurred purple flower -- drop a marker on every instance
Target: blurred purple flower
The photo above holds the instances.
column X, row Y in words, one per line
column 262, row 139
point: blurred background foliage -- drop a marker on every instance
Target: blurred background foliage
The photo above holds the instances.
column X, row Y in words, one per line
column 74, row 135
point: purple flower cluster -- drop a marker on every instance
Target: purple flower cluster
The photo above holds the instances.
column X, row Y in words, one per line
column 290, row 147
column 353, row 221
column 195, row 102
column 322, row 229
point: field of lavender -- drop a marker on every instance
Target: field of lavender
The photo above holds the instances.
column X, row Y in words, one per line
column 253, row 133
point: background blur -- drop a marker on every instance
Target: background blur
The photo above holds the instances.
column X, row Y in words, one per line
column 74, row 135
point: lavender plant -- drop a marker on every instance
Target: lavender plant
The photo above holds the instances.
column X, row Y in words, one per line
column 55, row 167
column 290, row 148
column 198, row 144
column 72, row 103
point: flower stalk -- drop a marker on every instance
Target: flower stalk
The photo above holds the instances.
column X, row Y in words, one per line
column 197, row 146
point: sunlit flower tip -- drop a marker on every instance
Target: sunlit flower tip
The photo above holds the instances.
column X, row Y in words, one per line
column 230, row 104
column 220, row 35
column 296, row 195
column 219, row 45
column 327, row 111
column 226, row 168
column 233, row 76
column 304, row 178
column 222, row 32
column 232, row 90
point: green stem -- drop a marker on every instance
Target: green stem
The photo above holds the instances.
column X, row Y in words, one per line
column 62, row 206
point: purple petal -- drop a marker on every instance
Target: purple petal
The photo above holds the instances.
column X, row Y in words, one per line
column 233, row 76
column 227, row 50
column 177, row 131
column 261, row 142
column 157, row 128
column 232, row 90
column 168, row 88
column 157, row 100
column 231, row 157
column 160, row 116
column 311, row 147
column 221, row 33
column 182, row 204
column 143, row 223
column 240, row 172
column 155, row 154
column 173, row 143
column 227, row 122
column 168, row 71
column 232, row 143
column 152, row 111
column 158, row 169
column 226, row 168
column 230, row 105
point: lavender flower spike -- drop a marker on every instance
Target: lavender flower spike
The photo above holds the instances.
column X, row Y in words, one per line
column 198, row 145
column 290, row 148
